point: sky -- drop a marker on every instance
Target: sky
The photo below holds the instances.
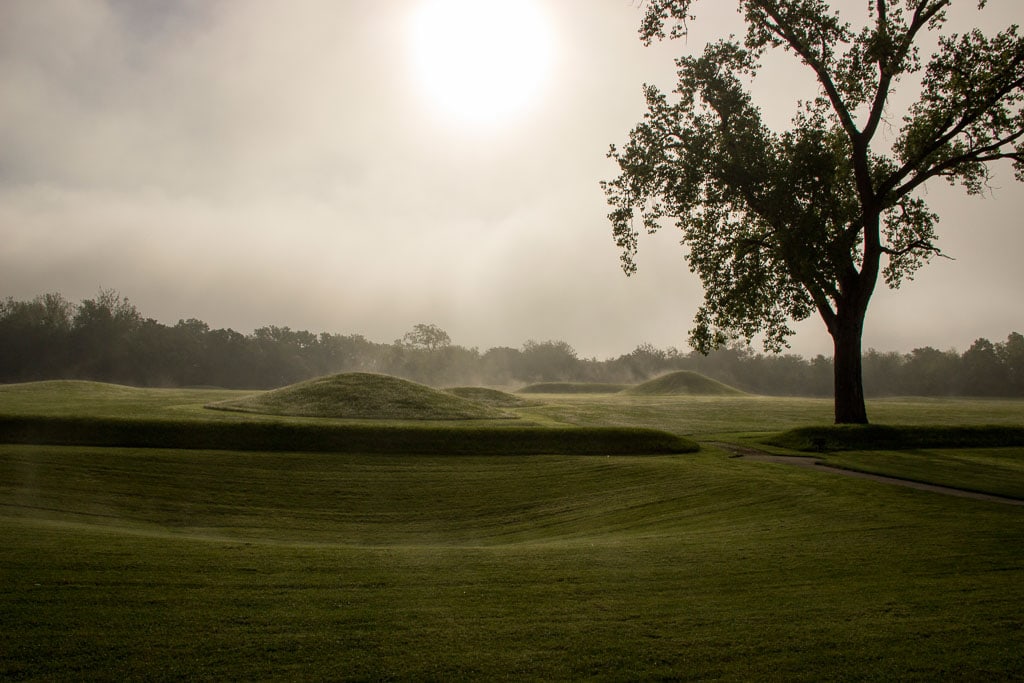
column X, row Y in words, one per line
column 359, row 167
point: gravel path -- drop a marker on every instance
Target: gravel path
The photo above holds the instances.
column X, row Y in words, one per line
column 749, row 453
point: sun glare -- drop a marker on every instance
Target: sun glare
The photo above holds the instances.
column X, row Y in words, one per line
column 481, row 62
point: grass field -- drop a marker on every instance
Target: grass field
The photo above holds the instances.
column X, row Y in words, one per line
column 156, row 564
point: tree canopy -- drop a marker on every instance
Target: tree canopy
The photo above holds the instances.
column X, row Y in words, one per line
column 779, row 225
column 49, row 337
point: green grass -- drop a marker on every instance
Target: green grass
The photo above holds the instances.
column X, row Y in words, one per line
column 362, row 395
column 706, row 416
column 171, row 564
column 683, row 383
column 379, row 437
column 490, row 397
column 156, row 564
column 987, row 470
column 572, row 388
column 903, row 437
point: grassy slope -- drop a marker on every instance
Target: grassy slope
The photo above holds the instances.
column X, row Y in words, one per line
column 161, row 564
column 489, row 397
column 362, row 395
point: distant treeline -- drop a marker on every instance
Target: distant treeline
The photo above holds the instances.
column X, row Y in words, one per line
column 107, row 339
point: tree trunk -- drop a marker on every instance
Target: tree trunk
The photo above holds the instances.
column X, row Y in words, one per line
column 849, row 384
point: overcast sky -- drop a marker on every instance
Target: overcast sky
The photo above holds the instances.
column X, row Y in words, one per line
column 318, row 164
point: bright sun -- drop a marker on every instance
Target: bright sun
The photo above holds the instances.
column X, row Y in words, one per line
column 481, row 62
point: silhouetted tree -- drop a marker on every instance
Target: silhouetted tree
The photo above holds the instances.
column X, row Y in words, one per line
column 781, row 225
column 547, row 361
column 1011, row 357
column 423, row 336
column 102, row 337
column 981, row 372
column 34, row 337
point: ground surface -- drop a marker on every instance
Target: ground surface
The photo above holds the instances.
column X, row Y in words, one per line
column 161, row 564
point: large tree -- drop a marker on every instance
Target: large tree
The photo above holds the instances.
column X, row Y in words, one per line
column 781, row 224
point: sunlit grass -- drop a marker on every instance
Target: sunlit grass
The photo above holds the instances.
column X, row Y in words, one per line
column 150, row 563
column 169, row 564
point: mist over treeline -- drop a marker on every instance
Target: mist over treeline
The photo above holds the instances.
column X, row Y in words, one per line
column 107, row 339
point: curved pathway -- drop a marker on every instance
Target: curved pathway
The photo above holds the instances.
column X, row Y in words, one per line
column 749, row 453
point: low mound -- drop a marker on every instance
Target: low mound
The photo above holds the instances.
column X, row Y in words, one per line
column 360, row 395
column 572, row 388
column 489, row 397
column 683, row 383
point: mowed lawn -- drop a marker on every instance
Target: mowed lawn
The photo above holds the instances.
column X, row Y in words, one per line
column 159, row 564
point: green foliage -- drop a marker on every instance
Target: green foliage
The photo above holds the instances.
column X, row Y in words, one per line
column 427, row 337
column 683, row 383
column 38, row 341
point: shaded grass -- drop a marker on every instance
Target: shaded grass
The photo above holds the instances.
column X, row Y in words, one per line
column 167, row 564
column 897, row 437
column 684, row 383
column 438, row 438
column 999, row 471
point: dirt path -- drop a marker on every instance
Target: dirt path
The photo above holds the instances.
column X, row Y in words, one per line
column 749, row 453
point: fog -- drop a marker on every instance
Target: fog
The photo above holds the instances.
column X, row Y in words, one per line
column 256, row 163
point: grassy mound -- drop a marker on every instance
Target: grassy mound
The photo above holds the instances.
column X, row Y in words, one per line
column 683, row 383
column 897, row 438
column 572, row 388
column 361, row 395
column 489, row 397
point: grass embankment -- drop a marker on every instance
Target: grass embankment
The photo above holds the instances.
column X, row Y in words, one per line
column 154, row 564
column 86, row 413
column 436, row 439
column 490, row 397
column 362, row 396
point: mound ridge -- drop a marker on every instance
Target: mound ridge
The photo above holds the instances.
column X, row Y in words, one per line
column 362, row 395
column 489, row 397
column 683, row 383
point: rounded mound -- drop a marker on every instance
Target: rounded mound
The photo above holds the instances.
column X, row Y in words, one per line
column 489, row 397
column 683, row 383
column 361, row 395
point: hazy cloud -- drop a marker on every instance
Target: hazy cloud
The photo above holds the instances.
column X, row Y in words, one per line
column 253, row 163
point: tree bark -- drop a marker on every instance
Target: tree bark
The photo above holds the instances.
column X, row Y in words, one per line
column 846, row 363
